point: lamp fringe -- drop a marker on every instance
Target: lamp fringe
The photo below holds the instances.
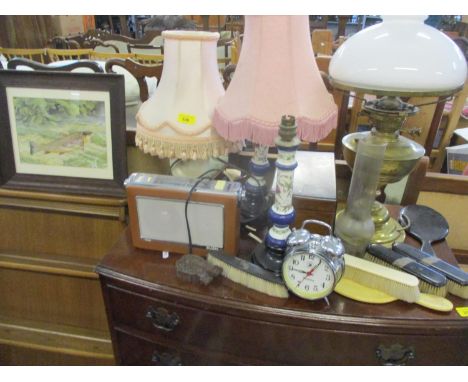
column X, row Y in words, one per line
column 264, row 133
column 183, row 150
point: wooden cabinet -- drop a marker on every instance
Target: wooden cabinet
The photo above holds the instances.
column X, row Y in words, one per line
column 157, row 319
column 51, row 306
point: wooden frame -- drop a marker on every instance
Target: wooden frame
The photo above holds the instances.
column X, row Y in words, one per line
column 77, row 145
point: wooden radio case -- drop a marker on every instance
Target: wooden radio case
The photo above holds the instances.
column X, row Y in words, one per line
column 156, row 206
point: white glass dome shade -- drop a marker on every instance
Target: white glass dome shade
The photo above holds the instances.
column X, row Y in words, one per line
column 400, row 56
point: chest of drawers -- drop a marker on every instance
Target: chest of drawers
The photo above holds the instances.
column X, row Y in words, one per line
column 157, row 319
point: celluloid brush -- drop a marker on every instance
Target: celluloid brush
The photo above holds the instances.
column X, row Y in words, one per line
column 457, row 279
column 395, row 283
column 250, row 275
column 353, row 290
column 430, row 281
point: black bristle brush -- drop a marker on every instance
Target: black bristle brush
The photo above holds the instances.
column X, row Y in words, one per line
column 457, row 278
column 430, row 281
column 250, row 275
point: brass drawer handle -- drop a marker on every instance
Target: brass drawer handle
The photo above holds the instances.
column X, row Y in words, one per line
column 395, row 355
column 166, row 359
column 162, row 319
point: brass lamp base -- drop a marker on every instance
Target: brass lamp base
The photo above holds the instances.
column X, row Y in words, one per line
column 387, row 229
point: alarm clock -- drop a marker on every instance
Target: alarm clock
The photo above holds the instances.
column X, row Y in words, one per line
column 313, row 263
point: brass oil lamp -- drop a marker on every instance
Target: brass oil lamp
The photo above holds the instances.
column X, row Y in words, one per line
column 387, row 116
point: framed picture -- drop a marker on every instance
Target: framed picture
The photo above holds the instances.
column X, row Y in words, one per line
column 62, row 132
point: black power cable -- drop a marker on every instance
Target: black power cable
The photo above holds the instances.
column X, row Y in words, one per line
column 200, row 179
column 203, row 177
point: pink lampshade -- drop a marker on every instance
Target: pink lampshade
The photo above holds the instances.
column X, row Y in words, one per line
column 276, row 75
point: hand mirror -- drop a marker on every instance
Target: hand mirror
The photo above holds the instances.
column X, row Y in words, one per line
column 425, row 224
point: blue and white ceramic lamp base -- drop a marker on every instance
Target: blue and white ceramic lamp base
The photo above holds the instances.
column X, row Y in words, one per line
column 282, row 214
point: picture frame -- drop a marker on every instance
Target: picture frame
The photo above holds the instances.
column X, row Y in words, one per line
column 63, row 132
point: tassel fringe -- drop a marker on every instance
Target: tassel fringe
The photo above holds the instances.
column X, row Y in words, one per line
column 265, row 133
column 204, row 149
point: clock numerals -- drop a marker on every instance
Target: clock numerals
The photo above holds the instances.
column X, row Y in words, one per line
column 308, row 275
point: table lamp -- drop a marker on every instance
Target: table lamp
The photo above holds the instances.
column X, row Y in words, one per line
column 276, row 75
column 176, row 122
column 400, row 57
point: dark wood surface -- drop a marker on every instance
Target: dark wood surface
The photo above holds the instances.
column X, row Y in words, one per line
column 445, row 183
column 217, row 322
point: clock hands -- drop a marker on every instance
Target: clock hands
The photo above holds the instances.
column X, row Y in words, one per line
column 297, row 270
column 310, row 272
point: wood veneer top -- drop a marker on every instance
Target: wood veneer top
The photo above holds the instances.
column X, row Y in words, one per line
column 148, row 271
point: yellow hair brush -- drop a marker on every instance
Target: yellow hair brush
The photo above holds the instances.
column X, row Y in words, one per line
column 363, row 278
column 355, row 291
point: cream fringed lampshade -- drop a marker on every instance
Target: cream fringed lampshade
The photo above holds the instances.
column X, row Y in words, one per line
column 176, row 121
column 276, row 75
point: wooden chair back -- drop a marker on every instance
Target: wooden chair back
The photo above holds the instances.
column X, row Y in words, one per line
column 120, row 41
column 18, row 62
column 104, row 56
column 38, row 55
column 100, row 46
column 145, row 49
column 448, row 194
column 137, row 70
column 451, row 124
column 148, row 59
column 322, row 42
column 61, row 42
column 68, row 54
column 236, row 47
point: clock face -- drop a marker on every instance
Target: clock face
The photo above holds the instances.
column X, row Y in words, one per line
column 308, row 276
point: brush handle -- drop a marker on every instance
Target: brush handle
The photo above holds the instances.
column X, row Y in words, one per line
column 427, row 248
column 450, row 271
column 407, row 264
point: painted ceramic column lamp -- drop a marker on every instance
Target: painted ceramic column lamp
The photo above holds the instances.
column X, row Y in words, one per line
column 282, row 213
column 176, row 122
column 276, row 75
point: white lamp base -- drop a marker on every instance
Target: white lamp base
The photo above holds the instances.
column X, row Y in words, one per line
column 195, row 168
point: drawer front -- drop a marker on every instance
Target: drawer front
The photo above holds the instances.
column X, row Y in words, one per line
column 141, row 352
column 257, row 341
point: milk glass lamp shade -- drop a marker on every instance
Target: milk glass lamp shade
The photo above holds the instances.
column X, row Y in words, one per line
column 276, row 75
column 400, row 56
column 176, row 122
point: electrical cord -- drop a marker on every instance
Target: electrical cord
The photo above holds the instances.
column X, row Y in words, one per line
column 248, row 175
column 203, row 177
column 174, row 163
column 200, row 179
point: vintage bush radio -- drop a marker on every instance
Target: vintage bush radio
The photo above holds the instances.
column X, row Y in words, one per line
column 156, row 206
